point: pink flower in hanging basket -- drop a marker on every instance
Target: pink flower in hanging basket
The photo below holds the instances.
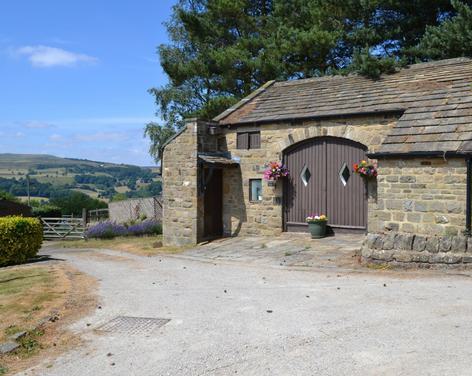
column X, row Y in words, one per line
column 275, row 171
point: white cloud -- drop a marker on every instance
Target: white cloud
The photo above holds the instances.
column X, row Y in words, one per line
column 55, row 137
column 38, row 125
column 45, row 56
column 102, row 136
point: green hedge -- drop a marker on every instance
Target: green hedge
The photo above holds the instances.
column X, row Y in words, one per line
column 20, row 239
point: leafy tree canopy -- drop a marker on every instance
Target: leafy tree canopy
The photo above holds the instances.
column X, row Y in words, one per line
column 221, row 50
column 72, row 202
column 452, row 38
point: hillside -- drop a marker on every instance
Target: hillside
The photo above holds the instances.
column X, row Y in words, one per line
column 48, row 174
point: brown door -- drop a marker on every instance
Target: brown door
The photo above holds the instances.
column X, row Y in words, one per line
column 322, row 181
column 213, row 203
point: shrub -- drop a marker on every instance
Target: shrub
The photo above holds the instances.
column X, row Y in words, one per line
column 106, row 230
column 20, row 239
column 110, row 230
column 146, row 227
column 47, row 210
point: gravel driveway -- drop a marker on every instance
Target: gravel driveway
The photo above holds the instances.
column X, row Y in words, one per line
column 254, row 319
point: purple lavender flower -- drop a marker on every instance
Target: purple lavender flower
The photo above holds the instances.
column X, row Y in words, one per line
column 147, row 227
column 106, row 230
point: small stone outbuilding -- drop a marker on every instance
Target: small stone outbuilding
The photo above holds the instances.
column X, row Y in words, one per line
column 415, row 124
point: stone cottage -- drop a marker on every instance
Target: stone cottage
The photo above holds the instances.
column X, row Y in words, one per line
column 415, row 124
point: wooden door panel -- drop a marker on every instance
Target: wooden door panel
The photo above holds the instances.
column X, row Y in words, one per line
column 213, row 203
column 305, row 195
column 346, row 199
column 324, row 191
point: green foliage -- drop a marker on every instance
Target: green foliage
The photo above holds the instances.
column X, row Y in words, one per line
column 20, row 239
column 221, row 50
column 119, row 197
column 54, row 174
column 453, row 38
column 47, row 211
column 364, row 63
column 72, row 202
column 8, row 196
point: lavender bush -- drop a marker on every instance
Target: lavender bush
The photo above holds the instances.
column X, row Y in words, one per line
column 106, row 230
column 110, row 230
column 146, row 227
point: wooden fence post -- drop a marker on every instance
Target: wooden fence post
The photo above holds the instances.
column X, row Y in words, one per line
column 84, row 216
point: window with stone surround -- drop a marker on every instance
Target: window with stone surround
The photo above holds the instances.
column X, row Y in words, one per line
column 255, row 190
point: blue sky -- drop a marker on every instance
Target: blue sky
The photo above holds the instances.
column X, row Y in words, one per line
column 74, row 76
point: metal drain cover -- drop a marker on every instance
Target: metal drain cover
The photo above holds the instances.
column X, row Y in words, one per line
column 133, row 325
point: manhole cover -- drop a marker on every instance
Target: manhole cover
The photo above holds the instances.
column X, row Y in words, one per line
column 133, row 325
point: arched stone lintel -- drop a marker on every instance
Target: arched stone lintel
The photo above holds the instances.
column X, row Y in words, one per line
column 317, row 131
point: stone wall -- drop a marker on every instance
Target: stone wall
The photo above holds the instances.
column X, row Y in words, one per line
column 265, row 218
column 420, row 213
column 183, row 209
column 179, row 172
column 394, row 247
column 421, row 196
column 127, row 210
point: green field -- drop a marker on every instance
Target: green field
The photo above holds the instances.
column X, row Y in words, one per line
column 96, row 179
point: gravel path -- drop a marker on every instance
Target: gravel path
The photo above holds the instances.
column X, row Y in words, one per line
column 255, row 319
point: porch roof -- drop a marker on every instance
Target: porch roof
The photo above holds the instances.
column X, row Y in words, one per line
column 217, row 159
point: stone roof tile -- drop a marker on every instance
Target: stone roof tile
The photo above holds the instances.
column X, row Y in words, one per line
column 435, row 100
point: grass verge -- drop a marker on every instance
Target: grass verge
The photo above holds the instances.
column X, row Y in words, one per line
column 139, row 245
column 39, row 301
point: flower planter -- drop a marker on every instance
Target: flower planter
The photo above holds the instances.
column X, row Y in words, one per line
column 317, row 229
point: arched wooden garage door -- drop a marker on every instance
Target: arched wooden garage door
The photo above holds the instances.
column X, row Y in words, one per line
column 322, row 180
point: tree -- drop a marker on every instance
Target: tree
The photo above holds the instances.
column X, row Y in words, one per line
column 221, row 50
column 8, row 196
column 72, row 202
column 453, row 38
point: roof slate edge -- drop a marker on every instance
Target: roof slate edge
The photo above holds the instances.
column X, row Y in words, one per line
column 415, row 154
column 334, row 115
column 243, row 101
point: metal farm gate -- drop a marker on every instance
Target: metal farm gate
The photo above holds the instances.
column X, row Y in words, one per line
column 63, row 228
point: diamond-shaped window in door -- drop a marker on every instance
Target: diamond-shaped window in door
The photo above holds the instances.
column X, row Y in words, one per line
column 305, row 175
column 344, row 174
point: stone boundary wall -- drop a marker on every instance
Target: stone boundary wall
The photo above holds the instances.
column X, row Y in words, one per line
column 421, row 249
column 127, row 210
column 420, row 196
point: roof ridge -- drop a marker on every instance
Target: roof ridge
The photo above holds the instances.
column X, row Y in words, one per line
column 445, row 62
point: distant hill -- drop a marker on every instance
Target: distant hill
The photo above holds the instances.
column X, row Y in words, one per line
column 27, row 161
column 49, row 174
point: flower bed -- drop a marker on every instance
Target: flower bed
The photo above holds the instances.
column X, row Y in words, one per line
column 110, row 230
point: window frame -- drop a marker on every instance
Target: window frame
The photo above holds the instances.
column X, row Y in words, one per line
column 251, row 199
column 243, row 140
